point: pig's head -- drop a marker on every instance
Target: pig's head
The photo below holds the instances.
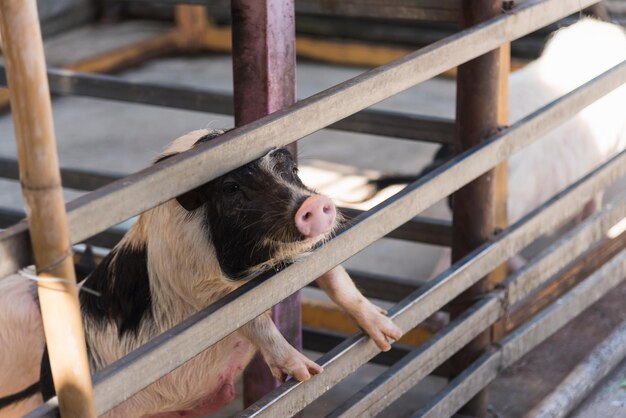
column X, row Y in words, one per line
column 258, row 216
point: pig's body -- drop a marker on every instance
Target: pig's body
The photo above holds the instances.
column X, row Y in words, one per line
column 572, row 57
column 179, row 258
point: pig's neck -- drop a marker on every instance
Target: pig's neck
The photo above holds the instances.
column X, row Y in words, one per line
column 184, row 274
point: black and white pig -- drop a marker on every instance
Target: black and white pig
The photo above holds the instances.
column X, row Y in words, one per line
column 178, row 258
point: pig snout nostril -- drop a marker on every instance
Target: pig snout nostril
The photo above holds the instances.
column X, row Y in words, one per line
column 316, row 216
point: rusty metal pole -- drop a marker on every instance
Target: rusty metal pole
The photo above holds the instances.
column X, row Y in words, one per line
column 474, row 208
column 264, row 69
column 40, row 178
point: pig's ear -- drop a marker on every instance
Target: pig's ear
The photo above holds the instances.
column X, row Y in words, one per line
column 190, row 200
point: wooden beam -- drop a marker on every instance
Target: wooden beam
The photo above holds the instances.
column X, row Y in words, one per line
column 191, row 26
column 43, row 195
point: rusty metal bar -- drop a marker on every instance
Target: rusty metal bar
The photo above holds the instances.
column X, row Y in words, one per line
column 264, row 81
column 473, row 210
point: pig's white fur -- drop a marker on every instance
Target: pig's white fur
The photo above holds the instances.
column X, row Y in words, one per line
column 184, row 278
column 573, row 56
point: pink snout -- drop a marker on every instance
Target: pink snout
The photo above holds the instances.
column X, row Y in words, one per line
column 316, row 216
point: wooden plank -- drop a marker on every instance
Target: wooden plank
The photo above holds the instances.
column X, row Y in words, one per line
column 43, row 197
column 191, row 26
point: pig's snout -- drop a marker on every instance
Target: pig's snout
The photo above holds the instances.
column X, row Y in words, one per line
column 316, row 216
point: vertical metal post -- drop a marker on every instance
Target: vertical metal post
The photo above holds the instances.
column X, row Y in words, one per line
column 474, row 204
column 264, row 68
column 40, row 178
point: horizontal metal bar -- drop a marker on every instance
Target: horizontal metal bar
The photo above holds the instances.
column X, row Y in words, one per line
column 574, row 243
column 178, row 96
column 393, row 383
column 463, row 387
column 406, row 373
column 125, row 198
column 521, row 341
column 345, row 358
column 323, row 341
column 552, row 318
column 426, row 230
column 420, row 229
column 430, row 10
column 72, row 178
column 243, row 305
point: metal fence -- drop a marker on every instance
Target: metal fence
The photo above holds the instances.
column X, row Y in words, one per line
column 342, row 107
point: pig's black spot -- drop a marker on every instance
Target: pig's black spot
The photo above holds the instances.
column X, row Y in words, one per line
column 124, row 287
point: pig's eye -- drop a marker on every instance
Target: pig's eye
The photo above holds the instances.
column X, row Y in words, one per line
column 294, row 171
column 230, row 188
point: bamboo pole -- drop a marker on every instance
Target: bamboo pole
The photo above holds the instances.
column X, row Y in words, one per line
column 43, row 195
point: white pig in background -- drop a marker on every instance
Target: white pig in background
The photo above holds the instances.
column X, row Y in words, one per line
column 178, row 258
column 572, row 56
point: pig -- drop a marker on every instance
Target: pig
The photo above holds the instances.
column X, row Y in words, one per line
column 178, row 258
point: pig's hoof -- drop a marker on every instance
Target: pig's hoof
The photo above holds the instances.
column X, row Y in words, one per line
column 296, row 365
column 377, row 325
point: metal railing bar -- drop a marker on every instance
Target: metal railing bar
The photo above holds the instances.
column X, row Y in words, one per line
column 72, row 178
column 323, row 340
column 121, row 200
column 104, row 239
column 463, row 388
column 379, row 393
column 521, row 341
column 178, row 96
column 426, row 230
column 242, row 305
column 407, row 372
column 574, row 243
column 292, row 396
column 372, row 285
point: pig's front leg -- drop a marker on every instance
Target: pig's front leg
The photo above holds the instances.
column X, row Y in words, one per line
column 372, row 319
column 282, row 359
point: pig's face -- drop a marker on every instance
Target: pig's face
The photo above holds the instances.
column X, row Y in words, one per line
column 261, row 215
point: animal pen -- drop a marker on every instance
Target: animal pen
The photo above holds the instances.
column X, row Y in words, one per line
column 496, row 318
